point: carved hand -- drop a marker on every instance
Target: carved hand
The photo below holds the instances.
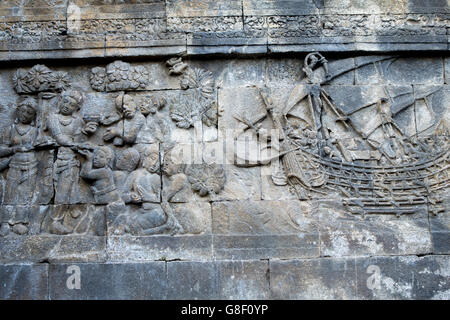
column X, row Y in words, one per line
column 110, row 133
column 88, row 154
column 107, row 120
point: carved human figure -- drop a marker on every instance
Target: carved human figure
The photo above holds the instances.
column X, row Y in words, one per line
column 178, row 188
column 67, row 128
column 18, row 141
column 127, row 129
column 143, row 184
column 127, row 161
column 142, row 187
column 98, row 171
column 312, row 61
column 156, row 128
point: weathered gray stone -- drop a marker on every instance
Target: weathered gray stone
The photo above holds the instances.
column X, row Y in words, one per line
column 407, row 277
column 344, row 234
column 398, row 71
column 139, row 281
column 284, row 71
column 431, row 110
column 191, row 280
column 403, row 277
column 313, row 279
column 218, row 280
column 24, row 282
column 183, row 8
column 308, row 169
column 264, row 230
column 161, row 247
column 440, row 224
column 241, row 280
column 447, row 70
column 33, row 249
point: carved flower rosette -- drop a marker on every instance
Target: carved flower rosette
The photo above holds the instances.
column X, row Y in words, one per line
column 206, row 179
column 40, row 79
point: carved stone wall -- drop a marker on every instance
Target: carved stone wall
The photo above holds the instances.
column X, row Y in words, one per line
column 224, row 150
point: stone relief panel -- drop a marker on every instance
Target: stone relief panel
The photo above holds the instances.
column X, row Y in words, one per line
column 360, row 143
column 253, row 158
column 98, row 156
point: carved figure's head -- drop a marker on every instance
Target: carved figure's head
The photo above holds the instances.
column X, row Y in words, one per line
column 152, row 104
column 173, row 163
column 26, row 111
column 70, row 101
column 150, row 160
column 103, row 157
column 312, row 59
column 129, row 106
column 127, row 160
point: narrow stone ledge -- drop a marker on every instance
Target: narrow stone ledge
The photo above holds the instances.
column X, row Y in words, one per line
column 52, row 248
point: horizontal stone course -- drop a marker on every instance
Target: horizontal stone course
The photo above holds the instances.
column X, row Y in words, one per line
column 382, row 277
column 210, row 27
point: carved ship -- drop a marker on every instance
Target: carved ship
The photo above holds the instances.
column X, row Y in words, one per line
column 382, row 189
column 402, row 186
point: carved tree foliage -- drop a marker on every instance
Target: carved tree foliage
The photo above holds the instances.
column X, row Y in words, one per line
column 39, row 79
column 206, row 178
column 198, row 102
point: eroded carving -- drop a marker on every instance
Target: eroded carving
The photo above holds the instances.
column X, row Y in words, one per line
column 206, row 179
column 197, row 103
column 118, row 76
column 323, row 150
column 17, row 145
column 128, row 125
column 40, row 79
column 69, row 130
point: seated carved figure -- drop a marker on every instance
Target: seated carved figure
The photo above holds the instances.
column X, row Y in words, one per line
column 127, row 130
column 142, row 187
column 97, row 170
column 144, row 184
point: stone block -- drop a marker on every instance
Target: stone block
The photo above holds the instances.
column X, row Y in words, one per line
column 344, row 234
column 184, row 8
column 161, row 247
column 243, row 280
column 217, row 280
column 140, row 281
column 277, row 7
column 51, row 248
column 264, row 230
column 24, row 282
column 440, row 224
column 392, row 278
column 323, row 279
column 402, row 71
column 403, row 278
column 191, row 280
